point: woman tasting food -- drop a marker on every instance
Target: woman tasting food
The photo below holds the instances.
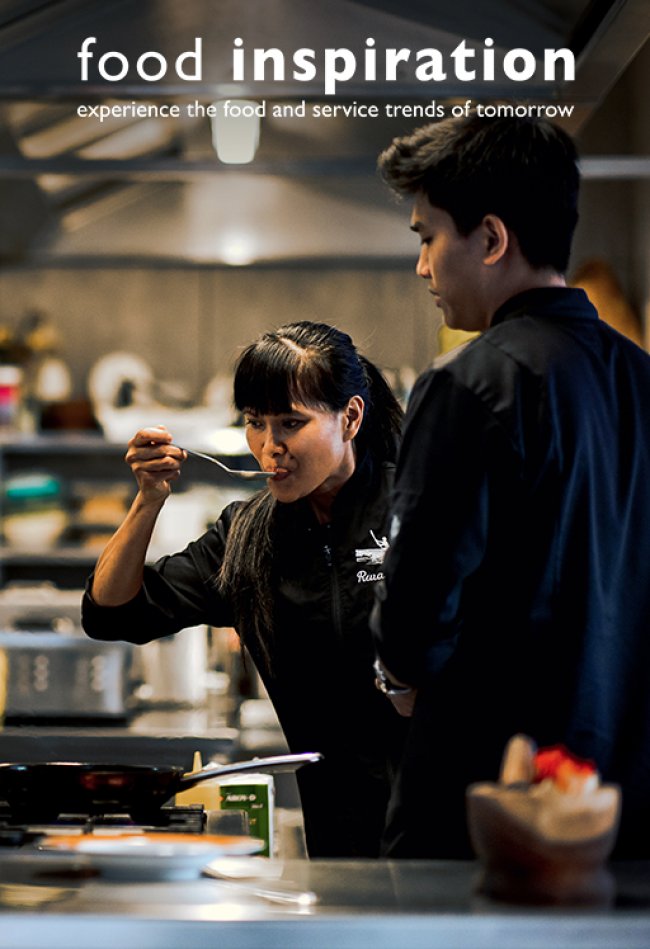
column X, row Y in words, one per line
column 292, row 569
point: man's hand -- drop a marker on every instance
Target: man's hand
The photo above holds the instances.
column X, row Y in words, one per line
column 400, row 694
column 405, row 702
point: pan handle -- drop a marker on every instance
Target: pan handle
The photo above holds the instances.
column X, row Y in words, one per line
column 271, row 764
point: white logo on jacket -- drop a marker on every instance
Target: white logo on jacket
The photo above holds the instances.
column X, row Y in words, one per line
column 372, row 556
column 364, row 577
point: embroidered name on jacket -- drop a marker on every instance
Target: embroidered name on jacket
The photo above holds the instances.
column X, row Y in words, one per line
column 373, row 556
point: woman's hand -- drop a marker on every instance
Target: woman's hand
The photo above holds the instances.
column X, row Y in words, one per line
column 155, row 462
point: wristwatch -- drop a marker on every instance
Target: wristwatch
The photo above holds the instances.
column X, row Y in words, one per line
column 385, row 685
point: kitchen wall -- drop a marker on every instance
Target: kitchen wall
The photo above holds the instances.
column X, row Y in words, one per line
column 640, row 82
column 189, row 323
column 615, row 214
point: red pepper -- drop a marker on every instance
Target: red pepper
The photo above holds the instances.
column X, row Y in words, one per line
column 560, row 766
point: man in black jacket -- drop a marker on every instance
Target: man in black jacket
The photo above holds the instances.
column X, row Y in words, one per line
column 517, row 586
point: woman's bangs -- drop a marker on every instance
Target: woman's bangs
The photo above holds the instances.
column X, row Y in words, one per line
column 266, row 380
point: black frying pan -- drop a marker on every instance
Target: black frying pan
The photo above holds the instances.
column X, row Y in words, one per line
column 40, row 792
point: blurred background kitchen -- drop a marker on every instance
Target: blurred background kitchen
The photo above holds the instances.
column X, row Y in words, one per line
column 134, row 264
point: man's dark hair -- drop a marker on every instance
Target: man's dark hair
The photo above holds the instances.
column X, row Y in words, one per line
column 523, row 170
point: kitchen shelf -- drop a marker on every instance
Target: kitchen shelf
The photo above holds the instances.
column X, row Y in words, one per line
column 83, row 461
column 55, row 555
column 60, row 443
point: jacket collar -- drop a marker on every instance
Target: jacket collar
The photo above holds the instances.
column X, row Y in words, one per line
column 562, row 302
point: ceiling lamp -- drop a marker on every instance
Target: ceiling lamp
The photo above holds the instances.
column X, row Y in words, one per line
column 236, row 130
column 238, row 250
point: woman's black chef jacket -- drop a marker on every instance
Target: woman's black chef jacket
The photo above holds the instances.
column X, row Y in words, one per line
column 321, row 679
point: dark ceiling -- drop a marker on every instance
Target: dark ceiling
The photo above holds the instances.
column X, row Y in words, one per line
column 95, row 182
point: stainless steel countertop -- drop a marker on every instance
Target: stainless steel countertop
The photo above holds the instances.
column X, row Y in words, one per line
column 359, row 905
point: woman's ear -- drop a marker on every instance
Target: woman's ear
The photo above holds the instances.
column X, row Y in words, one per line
column 496, row 239
column 352, row 417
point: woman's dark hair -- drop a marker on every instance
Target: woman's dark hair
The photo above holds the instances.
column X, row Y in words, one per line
column 524, row 170
column 316, row 365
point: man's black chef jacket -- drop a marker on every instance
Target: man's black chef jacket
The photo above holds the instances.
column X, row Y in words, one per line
column 321, row 681
column 517, row 590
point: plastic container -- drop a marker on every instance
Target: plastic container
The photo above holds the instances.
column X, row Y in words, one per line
column 34, row 511
column 11, row 378
column 175, row 668
column 255, row 795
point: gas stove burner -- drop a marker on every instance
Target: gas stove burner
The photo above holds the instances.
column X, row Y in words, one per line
column 190, row 819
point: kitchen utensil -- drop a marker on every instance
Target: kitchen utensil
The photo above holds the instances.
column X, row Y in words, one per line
column 58, row 675
column 116, row 372
column 39, row 605
column 235, row 472
column 40, row 792
column 175, row 669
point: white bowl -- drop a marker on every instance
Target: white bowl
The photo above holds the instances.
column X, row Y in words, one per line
column 34, row 531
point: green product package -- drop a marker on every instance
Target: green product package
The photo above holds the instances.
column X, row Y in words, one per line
column 254, row 794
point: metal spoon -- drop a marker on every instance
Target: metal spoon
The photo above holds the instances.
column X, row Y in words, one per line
column 235, row 472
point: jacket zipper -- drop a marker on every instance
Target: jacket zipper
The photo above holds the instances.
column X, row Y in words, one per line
column 336, row 593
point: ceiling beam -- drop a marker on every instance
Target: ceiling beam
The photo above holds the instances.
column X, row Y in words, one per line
column 605, row 41
column 178, row 169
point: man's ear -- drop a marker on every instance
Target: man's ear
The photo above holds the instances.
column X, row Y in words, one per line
column 353, row 417
column 496, row 239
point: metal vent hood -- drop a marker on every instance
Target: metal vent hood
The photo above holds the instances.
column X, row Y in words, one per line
column 139, row 189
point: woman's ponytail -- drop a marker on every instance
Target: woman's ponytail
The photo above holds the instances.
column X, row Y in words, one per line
column 382, row 426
